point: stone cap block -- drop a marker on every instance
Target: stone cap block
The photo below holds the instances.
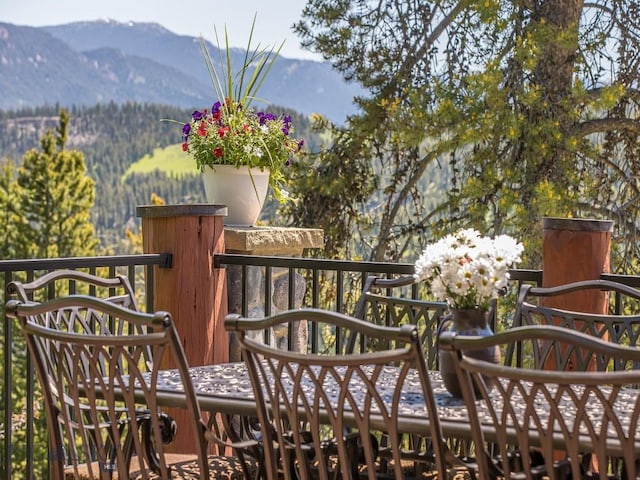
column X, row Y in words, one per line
column 267, row 240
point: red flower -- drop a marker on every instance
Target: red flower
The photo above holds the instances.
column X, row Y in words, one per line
column 218, row 152
column 222, row 131
column 185, row 146
column 202, row 129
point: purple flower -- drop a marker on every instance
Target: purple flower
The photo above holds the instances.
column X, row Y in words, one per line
column 197, row 115
column 265, row 117
column 285, row 129
column 185, row 130
column 216, row 107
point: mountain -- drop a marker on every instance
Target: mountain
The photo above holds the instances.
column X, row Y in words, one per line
column 85, row 63
column 37, row 68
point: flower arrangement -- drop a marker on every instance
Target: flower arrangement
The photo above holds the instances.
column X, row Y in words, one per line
column 466, row 269
column 232, row 132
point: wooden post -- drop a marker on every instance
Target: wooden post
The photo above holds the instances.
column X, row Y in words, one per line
column 573, row 250
column 192, row 290
column 576, row 249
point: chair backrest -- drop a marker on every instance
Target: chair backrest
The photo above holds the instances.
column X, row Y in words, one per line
column 541, row 413
column 63, row 282
column 92, row 413
column 395, row 302
column 619, row 325
column 117, row 290
column 357, row 393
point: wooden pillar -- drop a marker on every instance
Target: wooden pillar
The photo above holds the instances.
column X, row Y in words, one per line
column 573, row 250
column 576, row 249
column 192, row 290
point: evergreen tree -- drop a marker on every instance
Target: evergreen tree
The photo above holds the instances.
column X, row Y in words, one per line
column 55, row 196
column 9, row 217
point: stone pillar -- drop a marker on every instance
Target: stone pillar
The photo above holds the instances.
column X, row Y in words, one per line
column 268, row 241
column 192, row 290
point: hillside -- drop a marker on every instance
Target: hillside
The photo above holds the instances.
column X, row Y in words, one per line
column 85, row 63
column 130, row 154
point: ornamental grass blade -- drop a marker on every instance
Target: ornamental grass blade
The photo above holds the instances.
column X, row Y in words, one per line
column 266, row 59
column 211, row 68
column 263, row 59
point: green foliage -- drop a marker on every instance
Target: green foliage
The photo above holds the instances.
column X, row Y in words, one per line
column 320, row 183
column 9, row 216
column 256, row 64
column 113, row 139
column 531, row 112
column 54, row 196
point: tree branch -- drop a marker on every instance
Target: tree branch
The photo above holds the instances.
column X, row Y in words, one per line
column 600, row 125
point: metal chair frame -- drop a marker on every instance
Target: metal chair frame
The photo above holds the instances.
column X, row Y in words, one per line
column 290, row 392
column 86, row 380
column 395, row 302
column 537, row 414
column 118, row 289
column 385, row 302
column 615, row 326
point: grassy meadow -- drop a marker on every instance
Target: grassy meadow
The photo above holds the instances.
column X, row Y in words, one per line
column 171, row 160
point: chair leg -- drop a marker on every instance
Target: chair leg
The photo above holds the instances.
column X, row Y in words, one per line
column 168, row 430
column 238, row 429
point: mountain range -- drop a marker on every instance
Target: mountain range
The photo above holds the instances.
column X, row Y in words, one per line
column 87, row 63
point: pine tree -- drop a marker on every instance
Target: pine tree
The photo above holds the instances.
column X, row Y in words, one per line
column 55, row 197
column 9, row 217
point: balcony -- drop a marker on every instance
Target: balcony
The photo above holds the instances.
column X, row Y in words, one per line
column 328, row 284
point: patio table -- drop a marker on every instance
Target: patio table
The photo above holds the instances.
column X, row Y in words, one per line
column 226, row 388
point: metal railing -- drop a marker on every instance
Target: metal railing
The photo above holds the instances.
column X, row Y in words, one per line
column 330, row 284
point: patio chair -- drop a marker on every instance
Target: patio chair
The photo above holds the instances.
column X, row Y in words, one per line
column 115, row 289
column 390, row 302
column 86, row 380
column 621, row 324
column 551, row 424
column 305, row 434
column 394, row 302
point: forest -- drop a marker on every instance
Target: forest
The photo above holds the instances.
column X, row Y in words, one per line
column 112, row 137
column 489, row 115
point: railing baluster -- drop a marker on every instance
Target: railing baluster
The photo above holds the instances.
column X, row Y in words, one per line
column 6, row 393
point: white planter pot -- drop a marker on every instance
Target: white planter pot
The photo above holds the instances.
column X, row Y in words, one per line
column 242, row 190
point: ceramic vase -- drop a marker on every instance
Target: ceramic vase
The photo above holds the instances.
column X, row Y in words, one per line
column 472, row 321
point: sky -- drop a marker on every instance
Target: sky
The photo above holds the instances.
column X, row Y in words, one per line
column 273, row 22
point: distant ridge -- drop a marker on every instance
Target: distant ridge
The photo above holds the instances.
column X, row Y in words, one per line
column 85, row 63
